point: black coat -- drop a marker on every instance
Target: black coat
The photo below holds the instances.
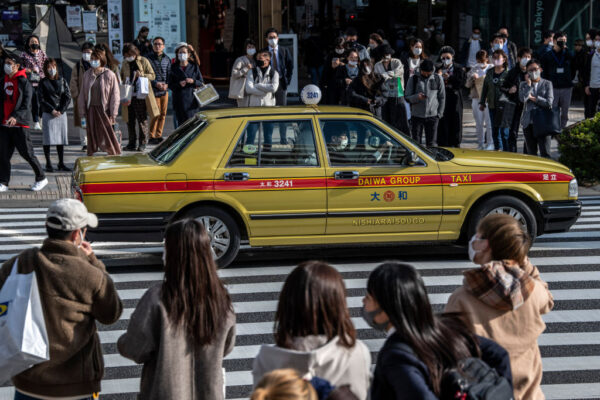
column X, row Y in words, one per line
column 161, row 69
column 359, row 95
column 54, row 94
column 341, row 74
column 399, row 374
column 22, row 110
column 450, row 126
column 328, row 83
column 514, row 78
column 184, row 101
column 285, row 64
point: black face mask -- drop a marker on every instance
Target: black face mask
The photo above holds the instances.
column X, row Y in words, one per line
column 34, row 46
column 263, row 63
column 561, row 43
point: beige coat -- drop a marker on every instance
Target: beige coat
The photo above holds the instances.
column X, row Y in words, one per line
column 75, row 88
column 315, row 356
column 237, row 82
column 171, row 369
column 517, row 331
column 110, row 92
column 146, row 71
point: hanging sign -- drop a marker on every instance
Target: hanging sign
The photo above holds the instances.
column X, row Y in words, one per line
column 74, row 16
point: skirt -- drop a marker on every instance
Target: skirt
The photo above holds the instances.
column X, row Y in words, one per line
column 55, row 130
column 100, row 133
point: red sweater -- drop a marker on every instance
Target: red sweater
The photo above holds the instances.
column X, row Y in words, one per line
column 11, row 94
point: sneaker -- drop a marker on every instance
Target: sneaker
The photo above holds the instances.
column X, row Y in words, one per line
column 49, row 168
column 3, row 188
column 39, row 185
column 142, row 147
column 64, row 168
column 490, row 147
column 37, row 126
column 84, row 148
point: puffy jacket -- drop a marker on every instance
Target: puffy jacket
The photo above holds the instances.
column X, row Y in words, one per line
column 433, row 87
column 390, row 77
column 162, row 69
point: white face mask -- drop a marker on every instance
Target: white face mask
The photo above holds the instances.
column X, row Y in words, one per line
column 130, row 59
column 343, row 144
column 476, row 36
column 597, row 44
column 372, row 46
column 447, row 62
column 551, row 43
column 497, row 46
column 589, row 43
column 86, row 56
column 498, row 62
column 273, row 42
column 182, row 56
column 472, row 251
column 353, row 63
column 535, row 75
column 95, row 63
column 52, row 71
column 367, row 70
column 417, row 51
column 387, row 58
column 251, row 51
column 339, row 51
column 7, row 69
column 524, row 61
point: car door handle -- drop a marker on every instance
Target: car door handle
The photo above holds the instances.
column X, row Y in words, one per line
column 346, row 175
column 236, row 176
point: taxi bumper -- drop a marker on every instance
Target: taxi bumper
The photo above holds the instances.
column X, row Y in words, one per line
column 559, row 216
column 130, row 227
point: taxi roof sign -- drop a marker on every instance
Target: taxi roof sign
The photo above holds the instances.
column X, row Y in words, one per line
column 310, row 95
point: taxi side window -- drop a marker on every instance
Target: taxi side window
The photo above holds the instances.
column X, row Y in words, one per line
column 275, row 144
column 356, row 142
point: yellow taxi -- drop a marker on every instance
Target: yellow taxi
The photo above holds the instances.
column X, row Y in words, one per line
column 316, row 175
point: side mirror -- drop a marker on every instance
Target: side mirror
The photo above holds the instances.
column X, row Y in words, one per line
column 412, row 159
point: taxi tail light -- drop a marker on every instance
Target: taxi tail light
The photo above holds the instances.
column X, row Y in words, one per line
column 573, row 188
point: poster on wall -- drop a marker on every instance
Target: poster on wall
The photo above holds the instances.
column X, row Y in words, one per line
column 11, row 27
column 164, row 20
column 74, row 16
column 115, row 27
column 90, row 21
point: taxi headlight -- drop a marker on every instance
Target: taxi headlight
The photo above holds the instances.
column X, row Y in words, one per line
column 573, row 188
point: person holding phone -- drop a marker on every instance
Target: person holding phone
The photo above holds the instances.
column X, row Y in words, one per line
column 493, row 88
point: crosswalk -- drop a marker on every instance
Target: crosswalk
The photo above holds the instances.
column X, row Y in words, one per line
column 569, row 262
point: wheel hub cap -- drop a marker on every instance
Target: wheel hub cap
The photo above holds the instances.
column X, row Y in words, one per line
column 220, row 237
column 513, row 212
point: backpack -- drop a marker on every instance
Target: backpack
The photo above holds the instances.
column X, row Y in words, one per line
column 474, row 379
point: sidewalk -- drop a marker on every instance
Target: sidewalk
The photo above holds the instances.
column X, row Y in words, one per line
column 59, row 183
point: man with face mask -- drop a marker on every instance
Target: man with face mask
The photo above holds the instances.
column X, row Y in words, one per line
column 450, row 127
column 535, row 92
column 547, row 44
column 282, row 63
column 509, row 47
column 391, row 70
column 468, row 53
column 75, row 85
column 511, row 86
column 556, row 67
column 426, row 93
column 591, row 79
column 15, row 120
column 76, row 291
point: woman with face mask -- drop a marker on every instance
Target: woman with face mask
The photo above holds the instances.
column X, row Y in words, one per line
column 54, row 100
column 345, row 75
column 535, row 92
column 504, row 298
column 411, row 60
column 81, row 66
column 141, row 105
column 33, row 62
column 333, row 62
column 239, row 72
column 185, row 76
column 365, row 91
column 183, row 327
column 420, row 345
column 475, row 79
column 98, row 102
column 314, row 333
column 493, row 88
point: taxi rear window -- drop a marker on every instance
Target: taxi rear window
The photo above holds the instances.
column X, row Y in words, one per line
column 168, row 150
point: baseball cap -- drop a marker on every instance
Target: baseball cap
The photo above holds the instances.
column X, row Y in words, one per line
column 72, row 215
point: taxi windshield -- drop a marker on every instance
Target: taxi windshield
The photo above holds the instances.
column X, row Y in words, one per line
column 178, row 140
column 431, row 152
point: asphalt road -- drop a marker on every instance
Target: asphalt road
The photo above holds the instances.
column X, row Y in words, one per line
column 569, row 262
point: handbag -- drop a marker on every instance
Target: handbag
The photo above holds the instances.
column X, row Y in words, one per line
column 206, row 94
column 22, row 327
column 545, row 121
column 126, row 92
column 508, row 113
column 143, row 87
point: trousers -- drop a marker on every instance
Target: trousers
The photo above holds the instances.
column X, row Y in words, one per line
column 17, row 137
column 430, row 125
column 533, row 143
column 158, row 123
column 562, row 99
column 482, row 118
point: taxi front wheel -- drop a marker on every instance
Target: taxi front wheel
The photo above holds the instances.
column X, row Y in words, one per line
column 223, row 231
column 509, row 205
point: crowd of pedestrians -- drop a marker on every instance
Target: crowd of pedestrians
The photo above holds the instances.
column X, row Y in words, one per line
column 183, row 327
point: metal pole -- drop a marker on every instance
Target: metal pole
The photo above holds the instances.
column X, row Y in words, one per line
column 591, row 14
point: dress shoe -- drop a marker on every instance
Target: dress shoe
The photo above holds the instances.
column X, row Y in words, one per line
column 64, row 168
column 49, row 168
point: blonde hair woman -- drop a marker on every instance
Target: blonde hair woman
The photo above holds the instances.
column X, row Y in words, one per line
column 283, row 384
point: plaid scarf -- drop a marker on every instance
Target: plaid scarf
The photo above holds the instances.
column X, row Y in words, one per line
column 500, row 284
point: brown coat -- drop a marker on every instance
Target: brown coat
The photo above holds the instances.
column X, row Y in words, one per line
column 75, row 88
column 110, row 92
column 146, row 71
column 76, row 292
column 517, row 331
column 171, row 369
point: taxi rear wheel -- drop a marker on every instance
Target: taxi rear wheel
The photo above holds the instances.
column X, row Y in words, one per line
column 509, row 205
column 223, row 231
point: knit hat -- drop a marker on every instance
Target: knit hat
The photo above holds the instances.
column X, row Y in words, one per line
column 447, row 49
column 426, row 66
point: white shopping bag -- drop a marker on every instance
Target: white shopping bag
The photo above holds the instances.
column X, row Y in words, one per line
column 23, row 336
column 143, row 87
column 126, row 92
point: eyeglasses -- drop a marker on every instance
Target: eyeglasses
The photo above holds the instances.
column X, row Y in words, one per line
column 533, row 70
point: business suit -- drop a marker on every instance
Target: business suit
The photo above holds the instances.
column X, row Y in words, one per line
column 284, row 66
column 543, row 91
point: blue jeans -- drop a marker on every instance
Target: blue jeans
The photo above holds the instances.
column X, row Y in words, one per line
column 499, row 135
column 315, row 74
column 21, row 396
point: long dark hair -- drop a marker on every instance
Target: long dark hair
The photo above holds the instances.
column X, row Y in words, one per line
column 192, row 293
column 438, row 341
column 313, row 302
column 368, row 80
column 111, row 61
column 411, row 43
